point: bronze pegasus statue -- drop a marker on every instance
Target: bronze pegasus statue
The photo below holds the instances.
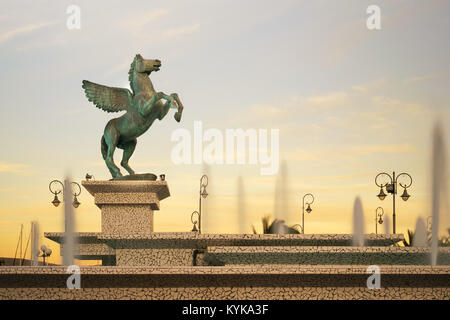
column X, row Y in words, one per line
column 143, row 106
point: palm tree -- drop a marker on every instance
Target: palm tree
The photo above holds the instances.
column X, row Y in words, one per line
column 275, row 227
column 409, row 242
column 445, row 241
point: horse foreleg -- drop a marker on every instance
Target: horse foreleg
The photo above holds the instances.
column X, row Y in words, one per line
column 178, row 114
column 128, row 149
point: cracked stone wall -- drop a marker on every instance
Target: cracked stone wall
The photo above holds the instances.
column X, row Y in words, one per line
column 304, row 282
column 251, row 255
column 154, row 257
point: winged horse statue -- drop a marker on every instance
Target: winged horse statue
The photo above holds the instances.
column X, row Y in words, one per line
column 143, row 106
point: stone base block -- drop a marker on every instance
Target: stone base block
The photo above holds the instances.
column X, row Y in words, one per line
column 127, row 206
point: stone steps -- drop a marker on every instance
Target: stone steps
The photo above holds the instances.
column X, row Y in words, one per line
column 322, row 255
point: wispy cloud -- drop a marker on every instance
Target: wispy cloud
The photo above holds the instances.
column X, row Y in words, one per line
column 125, row 66
column 138, row 21
column 346, row 153
column 268, row 112
column 8, row 189
column 411, row 108
column 338, row 177
column 8, row 35
column 328, row 98
column 150, row 25
column 383, row 148
column 360, row 88
column 415, row 79
column 179, row 31
column 13, row 167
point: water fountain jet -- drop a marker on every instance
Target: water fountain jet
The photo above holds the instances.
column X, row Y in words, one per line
column 358, row 223
column 438, row 187
column 420, row 234
column 69, row 237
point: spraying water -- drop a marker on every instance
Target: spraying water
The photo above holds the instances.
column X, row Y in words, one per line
column 387, row 225
column 69, row 238
column 242, row 211
column 34, row 243
column 358, row 223
column 438, row 187
column 281, row 208
column 207, row 203
column 420, row 234
column 279, row 227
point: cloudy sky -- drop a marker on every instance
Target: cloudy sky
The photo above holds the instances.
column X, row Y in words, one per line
column 348, row 102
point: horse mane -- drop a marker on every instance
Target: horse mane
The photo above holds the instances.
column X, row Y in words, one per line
column 130, row 73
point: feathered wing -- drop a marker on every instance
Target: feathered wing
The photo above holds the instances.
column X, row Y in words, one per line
column 106, row 98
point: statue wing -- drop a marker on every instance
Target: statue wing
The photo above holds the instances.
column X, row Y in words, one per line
column 109, row 99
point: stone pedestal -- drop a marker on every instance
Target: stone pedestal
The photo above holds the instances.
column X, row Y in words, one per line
column 127, row 206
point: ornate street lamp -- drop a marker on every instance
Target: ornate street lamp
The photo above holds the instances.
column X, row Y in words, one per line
column 195, row 222
column 378, row 218
column 202, row 194
column 308, row 209
column 46, row 252
column 392, row 189
column 56, row 201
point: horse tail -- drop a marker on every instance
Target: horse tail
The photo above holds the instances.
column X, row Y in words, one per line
column 104, row 147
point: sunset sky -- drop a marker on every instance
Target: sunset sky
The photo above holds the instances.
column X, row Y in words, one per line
column 348, row 103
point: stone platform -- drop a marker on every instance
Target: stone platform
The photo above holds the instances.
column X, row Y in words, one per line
column 295, row 255
column 189, row 248
column 234, row 283
column 141, row 264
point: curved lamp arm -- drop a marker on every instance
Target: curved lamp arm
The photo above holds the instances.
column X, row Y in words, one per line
column 381, row 174
column 308, row 194
column 55, row 192
column 405, row 185
column 79, row 189
column 379, row 214
column 204, row 181
column 192, row 217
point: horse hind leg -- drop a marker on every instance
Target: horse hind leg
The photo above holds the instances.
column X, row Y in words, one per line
column 104, row 148
column 110, row 137
column 128, row 149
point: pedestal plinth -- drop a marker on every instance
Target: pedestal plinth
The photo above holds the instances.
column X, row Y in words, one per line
column 127, row 206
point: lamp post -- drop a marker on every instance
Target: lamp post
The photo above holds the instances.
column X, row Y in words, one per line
column 308, row 209
column 56, row 201
column 202, row 194
column 392, row 189
column 378, row 218
column 46, row 252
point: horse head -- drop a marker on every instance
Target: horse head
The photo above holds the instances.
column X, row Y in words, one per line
column 147, row 66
